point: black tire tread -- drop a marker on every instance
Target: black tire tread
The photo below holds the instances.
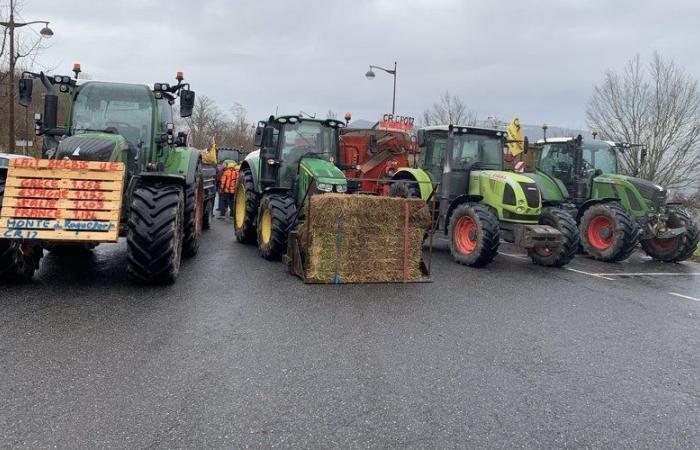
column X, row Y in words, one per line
column 191, row 239
column 18, row 260
column 284, row 218
column 490, row 234
column 247, row 234
column 566, row 224
column 628, row 228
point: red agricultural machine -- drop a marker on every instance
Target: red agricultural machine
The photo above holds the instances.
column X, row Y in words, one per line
column 371, row 157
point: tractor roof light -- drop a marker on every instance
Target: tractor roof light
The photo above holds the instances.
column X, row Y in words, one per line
column 179, row 76
column 282, row 120
column 293, row 119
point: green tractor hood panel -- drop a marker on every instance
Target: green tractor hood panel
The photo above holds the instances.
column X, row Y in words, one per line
column 92, row 147
column 323, row 171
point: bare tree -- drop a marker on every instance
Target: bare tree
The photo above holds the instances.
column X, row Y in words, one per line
column 331, row 114
column 450, row 109
column 239, row 132
column 656, row 105
column 207, row 121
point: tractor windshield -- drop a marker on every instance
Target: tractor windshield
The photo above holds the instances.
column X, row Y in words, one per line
column 599, row 155
column 124, row 109
column 302, row 139
column 471, row 148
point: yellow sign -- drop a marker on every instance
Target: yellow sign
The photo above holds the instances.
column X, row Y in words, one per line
column 516, row 140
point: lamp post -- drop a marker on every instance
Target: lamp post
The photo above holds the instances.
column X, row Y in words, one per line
column 45, row 32
column 370, row 76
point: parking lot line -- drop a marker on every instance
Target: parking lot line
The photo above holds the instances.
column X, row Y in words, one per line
column 650, row 274
column 513, row 256
column 597, row 275
column 685, row 296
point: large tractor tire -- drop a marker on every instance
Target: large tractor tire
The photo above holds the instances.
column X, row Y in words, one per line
column 18, row 260
column 474, row 235
column 608, row 233
column 678, row 248
column 245, row 208
column 208, row 214
column 155, row 235
column 404, row 189
column 69, row 248
column 194, row 215
column 278, row 216
column 562, row 255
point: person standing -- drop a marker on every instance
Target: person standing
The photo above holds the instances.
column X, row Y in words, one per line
column 227, row 189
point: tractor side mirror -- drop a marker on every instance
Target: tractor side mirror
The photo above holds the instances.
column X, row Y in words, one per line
column 25, row 91
column 643, row 156
column 420, row 138
column 186, row 103
column 259, row 132
column 50, row 111
column 597, row 173
column 373, row 144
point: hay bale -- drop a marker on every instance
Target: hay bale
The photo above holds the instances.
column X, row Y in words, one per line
column 361, row 238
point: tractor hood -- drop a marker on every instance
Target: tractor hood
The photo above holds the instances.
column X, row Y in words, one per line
column 651, row 192
column 323, row 171
column 92, row 147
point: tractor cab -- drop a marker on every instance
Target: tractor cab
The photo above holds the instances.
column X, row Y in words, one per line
column 295, row 149
column 451, row 152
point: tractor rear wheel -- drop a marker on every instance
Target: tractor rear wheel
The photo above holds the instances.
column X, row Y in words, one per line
column 155, row 235
column 245, row 209
column 277, row 217
column 608, row 233
column 474, row 235
column 194, row 215
column 678, row 248
column 562, row 255
column 208, row 214
column 18, row 259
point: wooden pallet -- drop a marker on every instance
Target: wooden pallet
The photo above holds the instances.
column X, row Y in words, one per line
column 62, row 200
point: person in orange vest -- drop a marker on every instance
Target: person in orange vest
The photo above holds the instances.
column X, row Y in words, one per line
column 227, row 189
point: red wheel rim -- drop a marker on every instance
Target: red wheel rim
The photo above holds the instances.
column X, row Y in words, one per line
column 466, row 234
column 600, row 232
column 663, row 245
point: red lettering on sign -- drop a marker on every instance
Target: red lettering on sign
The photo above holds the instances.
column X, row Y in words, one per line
column 36, row 203
column 38, row 183
column 36, row 213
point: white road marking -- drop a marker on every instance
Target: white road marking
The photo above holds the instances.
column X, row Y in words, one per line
column 685, row 296
column 597, row 275
column 650, row 274
column 513, row 256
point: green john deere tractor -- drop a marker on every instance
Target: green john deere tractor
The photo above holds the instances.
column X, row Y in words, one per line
column 296, row 157
column 615, row 212
column 480, row 203
column 166, row 186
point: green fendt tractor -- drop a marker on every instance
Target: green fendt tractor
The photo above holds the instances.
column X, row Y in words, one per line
column 165, row 187
column 615, row 212
column 296, row 157
column 480, row 203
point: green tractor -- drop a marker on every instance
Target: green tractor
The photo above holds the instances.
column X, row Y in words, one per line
column 296, row 157
column 615, row 212
column 167, row 189
column 480, row 203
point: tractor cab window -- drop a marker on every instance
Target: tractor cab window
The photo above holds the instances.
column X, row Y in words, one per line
column 433, row 154
column 559, row 161
column 598, row 155
column 116, row 108
column 165, row 111
column 471, row 148
column 304, row 139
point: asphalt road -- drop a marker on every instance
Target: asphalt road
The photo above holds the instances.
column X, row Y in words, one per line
column 240, row 354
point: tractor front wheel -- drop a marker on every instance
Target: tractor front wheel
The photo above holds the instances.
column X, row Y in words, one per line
column 277, row 217
column 678, row 248
column 404, row 189
column 155, row 235
column 608, row 233
column 245, row 208
column 18, row 260
column 562, row 255
column 474, row 235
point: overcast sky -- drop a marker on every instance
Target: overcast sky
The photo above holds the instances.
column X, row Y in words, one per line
column 534, row 59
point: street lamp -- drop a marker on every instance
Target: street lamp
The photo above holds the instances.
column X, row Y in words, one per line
column 45, row 32
column 370, row 76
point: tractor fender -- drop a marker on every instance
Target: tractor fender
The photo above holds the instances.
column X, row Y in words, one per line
column 596, row 201
column 420, row 175
column 464, row 198
column 246, row 165
column 162, row 176
column 195, row 157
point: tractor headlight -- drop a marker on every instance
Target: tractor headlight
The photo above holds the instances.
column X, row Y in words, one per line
column 520, row 209
column 324, row 187
column 341, row 188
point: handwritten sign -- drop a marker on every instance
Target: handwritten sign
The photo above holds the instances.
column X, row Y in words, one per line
column 62, row 200
column 390, row 122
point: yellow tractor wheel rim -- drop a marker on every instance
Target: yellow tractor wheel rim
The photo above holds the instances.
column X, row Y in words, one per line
column 240, row 207
column 266, row 226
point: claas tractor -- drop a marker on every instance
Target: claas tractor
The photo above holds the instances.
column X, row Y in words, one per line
column 296, row 159
column 480, row 203
column 614, row 212
column 165, row 187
